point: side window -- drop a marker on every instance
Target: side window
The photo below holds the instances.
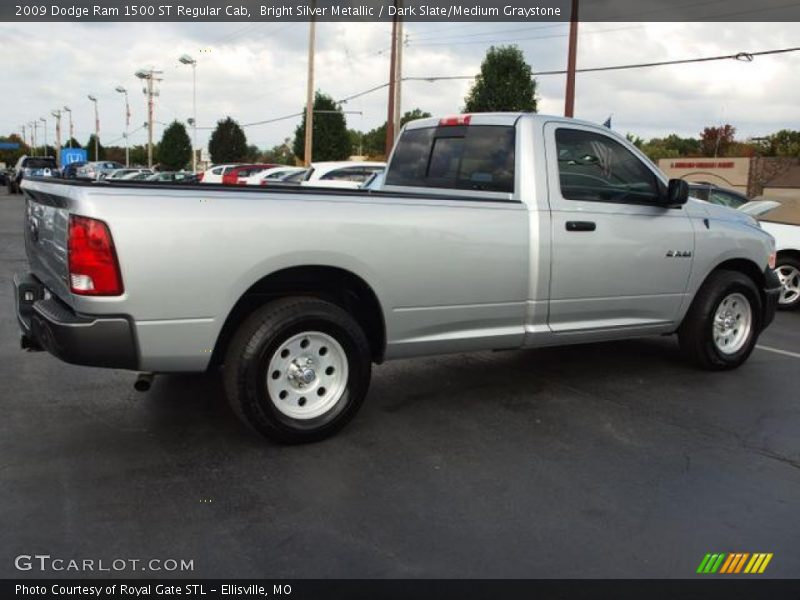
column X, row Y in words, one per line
column 470, row 157
column 217, row 171
column 596, row 168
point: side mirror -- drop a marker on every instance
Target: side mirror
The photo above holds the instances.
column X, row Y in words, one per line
column 677, row 193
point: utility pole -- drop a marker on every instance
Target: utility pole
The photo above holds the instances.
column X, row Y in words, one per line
column 44, row 121
column 24, row 140
column 33, row 125
column 149, row 75
column 569, row 103
column 309, row 141
column 96, row 129
column 188, row 60
column 398, row 82
column 122, row 90
column 392, row 88
column 71, row 131
column 57, row 114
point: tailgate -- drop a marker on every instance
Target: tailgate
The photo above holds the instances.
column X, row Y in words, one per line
column 47, row 208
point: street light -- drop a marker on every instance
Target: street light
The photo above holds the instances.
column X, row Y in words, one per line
column 57, row 114
column 33, row 125
column 122, row 90
column 149, row 75
column 43, row 120
column 71, row 131
column 96, row 128
column 188, row 60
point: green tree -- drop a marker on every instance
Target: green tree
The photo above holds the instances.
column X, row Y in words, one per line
column 175, row 147
column 716, row 141
column 90, row 150
column 329, row 137
column 784, row 143
column 634, row 139
column 228, row 142
column 10, row 157
column 281, row 154
column 505, row 83
column 75, row 143
column 373, row 142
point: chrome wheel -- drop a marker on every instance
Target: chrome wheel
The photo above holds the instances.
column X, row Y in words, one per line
column 307, row 375
column 733, row 321
column 789, row 276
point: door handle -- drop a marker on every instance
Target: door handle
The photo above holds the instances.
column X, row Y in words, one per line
column 581, row 226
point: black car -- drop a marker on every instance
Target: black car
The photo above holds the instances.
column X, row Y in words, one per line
column 717, row 195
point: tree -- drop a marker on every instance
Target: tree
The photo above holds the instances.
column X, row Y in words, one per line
column 90, row 149
column 75, row 143
column 10, row 157
column 175, row 147
column 634, row 139
column 373, row 142
column 716, row 141
column 329, row 137
column 281, row 154
column 228, row 142
column 784, row 143
column 505, row 83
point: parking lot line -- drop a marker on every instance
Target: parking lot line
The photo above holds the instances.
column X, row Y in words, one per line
column 778, row 351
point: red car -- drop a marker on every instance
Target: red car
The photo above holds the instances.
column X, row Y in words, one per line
column 237, row 175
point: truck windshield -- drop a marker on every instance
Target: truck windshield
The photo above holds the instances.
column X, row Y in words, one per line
column 470, row 157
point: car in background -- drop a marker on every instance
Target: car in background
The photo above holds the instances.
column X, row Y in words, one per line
column 375, row 182
column 70, row 171
column 124, row 173
column 173, row 176
column 344, row 174
column 238, row 175
column 272, row 175
column 31, row 166
column 717, row 195
column 97, row 170
column 216, row 172
column 780, row 217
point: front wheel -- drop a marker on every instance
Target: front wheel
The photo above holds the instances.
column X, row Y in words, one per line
column 788, row 271
column 298, row 369
column 723, row 323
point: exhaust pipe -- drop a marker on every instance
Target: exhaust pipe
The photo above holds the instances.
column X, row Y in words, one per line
column 143, row 382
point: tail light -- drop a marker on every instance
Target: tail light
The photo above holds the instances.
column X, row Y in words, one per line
column 93, row 264
column 201, row 176
column 263, row 182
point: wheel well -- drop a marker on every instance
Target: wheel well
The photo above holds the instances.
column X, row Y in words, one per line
column 746, row 267
column 335, row 285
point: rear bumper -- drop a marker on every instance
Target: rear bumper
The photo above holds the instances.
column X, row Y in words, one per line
column 49, row 324
column 772, row 291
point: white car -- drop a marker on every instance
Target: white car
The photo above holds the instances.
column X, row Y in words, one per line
column 780, row 217
column 345, row 174
column 270, row 175
column 215, row 173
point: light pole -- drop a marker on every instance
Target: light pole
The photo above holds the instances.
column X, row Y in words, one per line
column 43, row 120
column 57, row 114
column 33, row 125
column 96, row 128
column 122, row 90
column 188, row 60
column 149, row 75
column 24, row 139
column 71, row 131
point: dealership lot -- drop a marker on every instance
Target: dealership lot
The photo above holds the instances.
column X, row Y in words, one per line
column 612, row 460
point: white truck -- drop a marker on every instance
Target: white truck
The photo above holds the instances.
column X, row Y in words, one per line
column 491, row 231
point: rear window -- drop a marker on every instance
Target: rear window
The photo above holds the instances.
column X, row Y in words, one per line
column 39, row 163
column 474, row 157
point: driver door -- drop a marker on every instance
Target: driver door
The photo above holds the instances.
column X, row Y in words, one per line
column 620, row 260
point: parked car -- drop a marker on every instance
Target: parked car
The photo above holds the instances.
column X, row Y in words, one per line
column 128, row 173
column 171, row 176
column 97, row 170
column 490, row 231
column 70, row 171
column 238, row 175
column 31, row 166
column 272, row 175
column 345, row 174
column 216, row 172
column 780, row 217
column 717, row 195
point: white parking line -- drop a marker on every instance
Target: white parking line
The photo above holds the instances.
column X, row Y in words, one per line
column 779, row 351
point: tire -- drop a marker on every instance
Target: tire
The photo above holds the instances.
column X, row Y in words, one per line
column 732, row 299
column 788, row 271
column 297, row 370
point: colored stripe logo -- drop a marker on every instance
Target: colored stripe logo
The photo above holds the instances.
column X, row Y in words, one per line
column 734, row 563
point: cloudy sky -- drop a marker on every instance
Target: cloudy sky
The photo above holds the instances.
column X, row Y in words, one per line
column 256, row 72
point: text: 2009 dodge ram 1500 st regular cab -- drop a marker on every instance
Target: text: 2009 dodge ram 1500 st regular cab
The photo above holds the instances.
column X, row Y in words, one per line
column 492, row 231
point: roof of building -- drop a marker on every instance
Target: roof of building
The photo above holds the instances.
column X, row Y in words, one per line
column 787, row 179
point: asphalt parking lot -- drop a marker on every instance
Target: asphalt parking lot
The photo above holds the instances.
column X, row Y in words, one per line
column 612, row 460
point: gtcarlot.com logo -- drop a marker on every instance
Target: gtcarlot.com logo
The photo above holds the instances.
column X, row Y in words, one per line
column 734, row 563
column 45, row 562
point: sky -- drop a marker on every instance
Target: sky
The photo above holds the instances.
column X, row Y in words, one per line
column 257, row 71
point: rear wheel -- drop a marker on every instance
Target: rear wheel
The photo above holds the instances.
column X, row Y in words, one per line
column 723, row 323
column 298, row 369
column 788, row 271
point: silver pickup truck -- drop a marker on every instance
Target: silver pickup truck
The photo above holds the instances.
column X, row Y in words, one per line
column 490, row 231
